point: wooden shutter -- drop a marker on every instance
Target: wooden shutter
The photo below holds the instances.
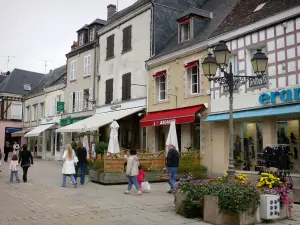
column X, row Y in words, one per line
column 127, row 38
column 110, row 46
column 91, row 98
column 71, row 102
column 80, row 106
column 76, row 101
column 126, row 86
column 109, row 91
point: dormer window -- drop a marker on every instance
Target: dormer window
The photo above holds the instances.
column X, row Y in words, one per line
column 80, row 39
column 92, row 34
column 184, row 30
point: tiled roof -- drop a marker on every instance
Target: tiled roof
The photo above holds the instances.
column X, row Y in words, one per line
column 55, row 77
column 98, row 21
column 2, row 78
column 243, row 14
column 14, row 83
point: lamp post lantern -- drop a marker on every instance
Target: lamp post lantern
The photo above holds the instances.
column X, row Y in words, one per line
column 221, row 60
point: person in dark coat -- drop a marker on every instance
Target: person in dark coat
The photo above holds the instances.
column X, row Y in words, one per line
column 172, row 166
column 25, row 160
column 7, row 149
column 81, row 154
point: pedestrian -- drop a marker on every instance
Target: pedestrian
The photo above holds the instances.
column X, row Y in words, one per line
column 81, row 154
column 7, row 149
column 14, row 168
column 25, row 160
column 0, row 160
column 141, row 176
column 70, row 159
column 172, row 166
column 132, row 170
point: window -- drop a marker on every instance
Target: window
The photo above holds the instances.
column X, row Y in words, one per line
column 193, row 76
column 185, row 31
column 42, row 110
column 73, row 70
column 80, row 39
column 161, row 83
column 109, row 91
column 127, row 38
column 92, row 34
column 110, row 46
column 16, row 111
column 87, row 65
column 74, row 102
column 34, row 112
column 86, row 97
column 27, row 118
column 27, row 87
column 126, row 86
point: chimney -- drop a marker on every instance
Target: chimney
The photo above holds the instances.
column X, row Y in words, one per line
column 111, row 10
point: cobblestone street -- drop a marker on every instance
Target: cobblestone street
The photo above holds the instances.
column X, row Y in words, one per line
column 43, row 201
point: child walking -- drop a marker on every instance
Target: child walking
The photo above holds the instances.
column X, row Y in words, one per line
column 141, row 176
column 14, row 167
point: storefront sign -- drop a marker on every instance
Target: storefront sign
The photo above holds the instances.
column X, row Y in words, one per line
column 60, row 107
column 287, row 95
column 68, row 121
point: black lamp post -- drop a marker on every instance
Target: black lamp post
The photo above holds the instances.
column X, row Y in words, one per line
column 230, row 80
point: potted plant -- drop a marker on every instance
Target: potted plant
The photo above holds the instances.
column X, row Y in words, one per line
column 95, row 169
column 100, row 148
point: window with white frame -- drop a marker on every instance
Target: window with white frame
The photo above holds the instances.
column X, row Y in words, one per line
column 42, row 110
column 86, row 97
column 80, row 39
column 92, row 33
column 73, row 70
column 34, row 112
column 16, row 111
column 194, row 79
column 185, row 31
column 87, row 65
column 27, row 113
column 161, row 87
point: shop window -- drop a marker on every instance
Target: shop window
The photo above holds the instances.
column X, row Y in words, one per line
column 288, row 137
column 248, row 145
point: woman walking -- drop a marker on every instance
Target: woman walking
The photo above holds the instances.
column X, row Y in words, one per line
column 132, row 170
column 70, row 159
column 25, row 160
column 82, row 161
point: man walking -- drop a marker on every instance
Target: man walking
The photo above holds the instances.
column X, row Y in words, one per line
column 172, row 166
column 7, row 149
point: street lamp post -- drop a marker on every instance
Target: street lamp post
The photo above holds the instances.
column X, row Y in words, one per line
column 221, row 60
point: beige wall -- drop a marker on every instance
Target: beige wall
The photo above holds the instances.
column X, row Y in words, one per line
column 82, row 82
column 29, row 103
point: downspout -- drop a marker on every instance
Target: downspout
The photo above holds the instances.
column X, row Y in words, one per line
column 152, row 40
column 95, row 72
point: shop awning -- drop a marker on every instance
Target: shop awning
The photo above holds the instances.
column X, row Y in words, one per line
column 183, row 115
column 254, row 113
column 21, row 132
column 38, row 130
column 99, row 120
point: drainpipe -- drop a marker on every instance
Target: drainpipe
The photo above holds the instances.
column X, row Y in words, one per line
column 95, row 72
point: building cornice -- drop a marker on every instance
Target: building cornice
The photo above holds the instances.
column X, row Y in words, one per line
column 131, row 15
column 81, row 49
column 243, row 31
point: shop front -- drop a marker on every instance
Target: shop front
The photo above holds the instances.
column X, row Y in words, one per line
column 266, row 132
column 188, row 127
column 127, row 114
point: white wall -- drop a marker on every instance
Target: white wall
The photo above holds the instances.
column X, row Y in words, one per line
column 132, row 61
column 282, row 44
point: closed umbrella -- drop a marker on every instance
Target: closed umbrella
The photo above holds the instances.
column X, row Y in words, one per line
column 86, row 145
column 172, row 136
column 113, row 145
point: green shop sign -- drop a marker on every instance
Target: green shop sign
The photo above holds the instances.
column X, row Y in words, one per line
column 68, row 121
column 60, row 107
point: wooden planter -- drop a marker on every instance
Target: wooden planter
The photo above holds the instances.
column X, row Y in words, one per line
column 179, row 197
column 212, row 214
column 94, row 176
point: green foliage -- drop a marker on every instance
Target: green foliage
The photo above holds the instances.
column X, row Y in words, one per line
column 99, row 165
column 100, row 147
column 74, row 145
column 190, row 168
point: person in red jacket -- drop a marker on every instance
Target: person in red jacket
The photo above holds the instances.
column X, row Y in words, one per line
column 141, row 176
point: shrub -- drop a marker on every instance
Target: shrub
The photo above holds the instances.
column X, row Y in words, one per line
column 100, row 147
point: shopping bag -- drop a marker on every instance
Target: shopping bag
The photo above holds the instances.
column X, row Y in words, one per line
column 146, row 186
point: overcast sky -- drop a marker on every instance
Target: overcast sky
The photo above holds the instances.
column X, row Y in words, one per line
column 37, row 30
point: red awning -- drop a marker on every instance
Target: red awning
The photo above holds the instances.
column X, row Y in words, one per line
column 159, row 74
column 185, row 20
column 191, row 64
column 183, row 115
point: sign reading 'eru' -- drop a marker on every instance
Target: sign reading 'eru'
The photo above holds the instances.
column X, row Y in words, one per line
column 287, row 95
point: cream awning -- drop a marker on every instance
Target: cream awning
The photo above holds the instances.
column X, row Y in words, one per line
column 38, row 130
column 21, row 132
column 98, row 120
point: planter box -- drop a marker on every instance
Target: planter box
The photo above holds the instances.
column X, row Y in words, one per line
column 213, row 215
column 284, row 212
column 94, row 176
column 179, row 197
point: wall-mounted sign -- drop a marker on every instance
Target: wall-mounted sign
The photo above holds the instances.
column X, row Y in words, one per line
column 287, row 95
column 68, row 121
column 60, row 107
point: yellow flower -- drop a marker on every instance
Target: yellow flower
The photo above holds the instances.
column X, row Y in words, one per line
column 261, row 179
column 270, row 186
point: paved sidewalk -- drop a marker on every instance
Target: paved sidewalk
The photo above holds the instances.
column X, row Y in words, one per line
column 43, row 201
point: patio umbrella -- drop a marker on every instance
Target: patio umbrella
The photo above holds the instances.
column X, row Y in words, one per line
column 85, row 143
column 113, row 145
column 172, row 136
